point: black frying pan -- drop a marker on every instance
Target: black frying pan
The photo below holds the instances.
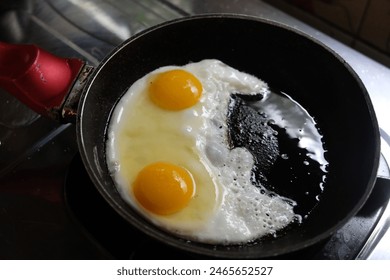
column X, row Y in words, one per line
column 321, row 81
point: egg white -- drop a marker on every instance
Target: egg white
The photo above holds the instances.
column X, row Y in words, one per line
column 227, row 208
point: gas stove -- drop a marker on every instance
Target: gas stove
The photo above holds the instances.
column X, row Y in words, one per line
column 49, row 209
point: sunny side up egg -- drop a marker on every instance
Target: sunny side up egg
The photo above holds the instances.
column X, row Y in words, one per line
column 168, row 153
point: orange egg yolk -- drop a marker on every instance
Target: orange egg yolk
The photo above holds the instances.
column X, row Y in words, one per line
column 175, row 90
column 163, row 188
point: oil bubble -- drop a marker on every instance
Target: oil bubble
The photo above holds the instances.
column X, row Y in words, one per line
column 284, row 156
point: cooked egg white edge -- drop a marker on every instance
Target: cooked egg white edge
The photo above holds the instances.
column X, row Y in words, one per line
column 257, row 214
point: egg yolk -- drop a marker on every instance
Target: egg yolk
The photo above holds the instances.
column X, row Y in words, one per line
column 164, row 188
column 175, row 90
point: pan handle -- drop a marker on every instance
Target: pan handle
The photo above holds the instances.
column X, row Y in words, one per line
column 37, row 78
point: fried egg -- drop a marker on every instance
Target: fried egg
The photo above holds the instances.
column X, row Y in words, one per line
column 168, row 153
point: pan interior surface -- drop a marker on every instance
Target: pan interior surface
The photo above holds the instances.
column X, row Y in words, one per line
column 295, row 64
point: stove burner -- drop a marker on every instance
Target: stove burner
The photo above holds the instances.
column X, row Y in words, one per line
column 100, row 223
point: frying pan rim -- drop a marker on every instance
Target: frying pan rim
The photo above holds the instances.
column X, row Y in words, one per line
column 176, row 242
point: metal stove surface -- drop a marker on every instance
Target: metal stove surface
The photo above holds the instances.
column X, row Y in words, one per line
column 43, row 186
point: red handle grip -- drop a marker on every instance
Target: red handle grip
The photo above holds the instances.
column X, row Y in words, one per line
column 36, row 77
